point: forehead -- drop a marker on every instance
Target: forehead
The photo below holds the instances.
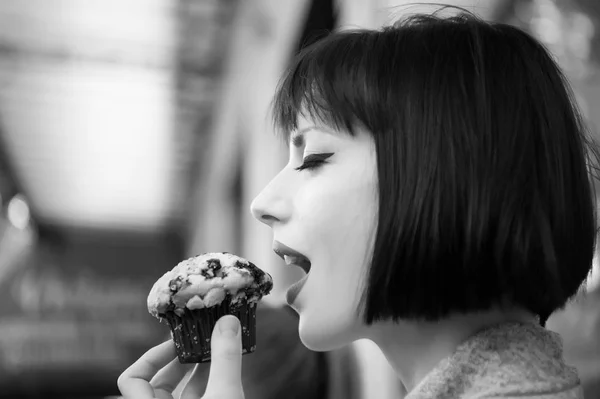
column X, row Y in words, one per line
column 310, row 128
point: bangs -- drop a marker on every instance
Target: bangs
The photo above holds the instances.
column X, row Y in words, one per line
column 329, row 83
column 358, row 76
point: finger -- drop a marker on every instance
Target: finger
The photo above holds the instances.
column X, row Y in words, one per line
column 166, row 380
column 226, row 356
column 134, row 382
column 225, row 378
column 196, row 384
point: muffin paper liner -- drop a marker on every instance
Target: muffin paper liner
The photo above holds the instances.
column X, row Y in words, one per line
column 192, row 331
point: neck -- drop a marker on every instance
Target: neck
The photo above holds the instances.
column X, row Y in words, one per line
column 414, row 348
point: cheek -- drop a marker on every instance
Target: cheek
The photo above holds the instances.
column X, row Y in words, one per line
column 342, row 226
column 340, row 218
column 341, row 233
column 339, row 208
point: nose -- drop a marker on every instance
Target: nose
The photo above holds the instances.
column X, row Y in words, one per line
column 269, row 205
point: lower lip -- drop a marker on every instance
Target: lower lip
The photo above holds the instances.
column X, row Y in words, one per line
column 294, row 290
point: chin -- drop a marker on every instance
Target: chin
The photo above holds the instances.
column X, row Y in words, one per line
column 322, row 334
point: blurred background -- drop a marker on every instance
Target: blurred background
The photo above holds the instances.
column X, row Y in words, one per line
column 134, row 133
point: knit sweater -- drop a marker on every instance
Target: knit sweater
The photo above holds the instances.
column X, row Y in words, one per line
column 510, row 360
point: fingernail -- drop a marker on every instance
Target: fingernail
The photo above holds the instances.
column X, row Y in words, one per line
column 229, row 326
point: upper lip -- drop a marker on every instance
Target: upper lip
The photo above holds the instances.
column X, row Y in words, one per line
column 281, row 250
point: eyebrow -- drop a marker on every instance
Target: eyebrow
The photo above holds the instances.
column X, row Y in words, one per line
column 298, row 137
column 298, row 140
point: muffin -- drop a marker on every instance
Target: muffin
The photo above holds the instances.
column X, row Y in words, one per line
column 198, row 291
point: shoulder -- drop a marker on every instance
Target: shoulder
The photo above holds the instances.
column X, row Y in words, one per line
column 573, row 393
column 517, row 360
column 512, row 360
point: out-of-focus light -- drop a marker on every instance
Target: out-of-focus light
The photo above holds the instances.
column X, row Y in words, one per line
column 581, row 35
column 18, row 212
column 100, row 122
column 547, row 29
column 593, row 281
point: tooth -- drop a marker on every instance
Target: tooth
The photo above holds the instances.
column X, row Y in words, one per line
column 290, row 260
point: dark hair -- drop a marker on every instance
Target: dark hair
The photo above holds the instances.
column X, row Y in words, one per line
column 483, row 161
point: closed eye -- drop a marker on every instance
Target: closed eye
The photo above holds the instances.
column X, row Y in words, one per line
column 313, row 161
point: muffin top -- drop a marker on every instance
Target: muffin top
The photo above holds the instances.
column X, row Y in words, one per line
column 207, row 280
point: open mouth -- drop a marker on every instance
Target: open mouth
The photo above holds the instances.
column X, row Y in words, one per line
column 291, row 256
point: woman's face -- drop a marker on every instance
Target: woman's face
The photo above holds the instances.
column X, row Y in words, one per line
column 328, row 213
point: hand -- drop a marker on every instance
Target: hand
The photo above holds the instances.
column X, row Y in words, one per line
column 158, row 372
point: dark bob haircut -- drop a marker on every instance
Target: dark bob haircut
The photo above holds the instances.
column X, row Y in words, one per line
column 486, row 195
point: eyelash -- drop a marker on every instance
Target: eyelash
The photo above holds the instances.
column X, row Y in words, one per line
column 313, row 161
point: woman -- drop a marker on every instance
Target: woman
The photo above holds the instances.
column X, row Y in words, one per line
column 438, row 195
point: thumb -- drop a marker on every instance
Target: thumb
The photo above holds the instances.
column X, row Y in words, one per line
column 225, row 379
